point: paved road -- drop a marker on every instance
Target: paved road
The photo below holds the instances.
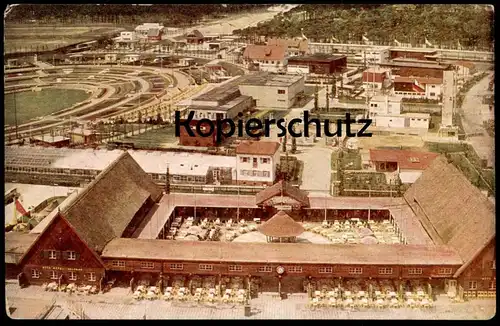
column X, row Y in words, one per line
column 474, row 113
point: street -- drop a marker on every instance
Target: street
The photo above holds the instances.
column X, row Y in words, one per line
column 474, row 112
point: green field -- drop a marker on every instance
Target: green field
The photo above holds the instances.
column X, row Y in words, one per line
column 30, row 105
column 154, row 138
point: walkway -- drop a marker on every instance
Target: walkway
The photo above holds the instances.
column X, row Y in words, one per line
column 118, row 304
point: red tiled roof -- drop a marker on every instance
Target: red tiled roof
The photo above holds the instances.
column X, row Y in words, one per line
column 281, row 253
column 264, row 52
column 300, row 44
column 257, row 147
column 411, row 160
column 281, row 225
column 420, row 80
column 466, row 64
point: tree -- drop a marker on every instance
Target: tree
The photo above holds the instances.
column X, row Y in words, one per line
column 284, row 143
column 294, row 143
column 334, row 86
column 327, row 99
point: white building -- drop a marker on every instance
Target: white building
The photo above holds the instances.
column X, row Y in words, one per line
column 271, row 58
column 273, row 91
column 143, row 30
column 386, row 113
column 372, row 56
column 256, row 162
column 418, row 87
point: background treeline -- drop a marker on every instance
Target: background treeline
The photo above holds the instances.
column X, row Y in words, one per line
column 445, row 25
column 168, row 14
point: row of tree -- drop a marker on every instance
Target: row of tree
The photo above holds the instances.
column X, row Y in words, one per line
column 169, row 14
column 447, row 25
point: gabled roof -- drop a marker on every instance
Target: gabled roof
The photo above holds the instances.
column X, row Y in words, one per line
column 285, row 189
column 103, row 210
column 196, row 33
column 412, row 160
column 298, row 43
column 264, row 52
column 452, row 210
column 281, row 225
column 257, row 147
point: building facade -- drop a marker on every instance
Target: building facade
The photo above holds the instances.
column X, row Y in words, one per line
column 273, row 91
column 257, row 162
column 321, row 64
column 270, row 58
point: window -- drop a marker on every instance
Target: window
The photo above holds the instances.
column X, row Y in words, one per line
column 493, row 285
column 433, row 86
column 235, row 268
column 444, row 271
column 472, row 285
column 52, row 254
column 432, row 94
column 281, row 91
column 325, row 270
column 244, row 160
column 295, row 269
column 35, row 273
column 264, row 160
column 118, row 263
column 254, row 162
column 147, row 264
column 92, row 277
column 72, row 276
column 177, row 267
column 71, row 255
column 265, row 269
column 355, row 270
column 414, row 271
column 205, row 267
column 53, row 275
column 385, row 271
column 266, row 174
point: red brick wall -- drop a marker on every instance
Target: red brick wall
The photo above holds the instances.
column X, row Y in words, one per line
column 61, row 237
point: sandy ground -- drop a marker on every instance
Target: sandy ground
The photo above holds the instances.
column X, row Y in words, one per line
column 118, row 304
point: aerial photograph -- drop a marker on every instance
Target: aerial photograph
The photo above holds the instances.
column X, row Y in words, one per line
column 249, row 161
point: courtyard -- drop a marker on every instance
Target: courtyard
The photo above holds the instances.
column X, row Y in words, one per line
column 351, row 231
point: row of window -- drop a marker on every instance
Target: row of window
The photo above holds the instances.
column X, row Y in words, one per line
column 491, row 286
column 263, row 160
column 66, row 255
column 51, row 170
column 72, row 276
column 413, row 119
column 252, row 173
column 291, row 269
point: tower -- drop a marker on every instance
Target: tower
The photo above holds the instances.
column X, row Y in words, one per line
column 447, row 128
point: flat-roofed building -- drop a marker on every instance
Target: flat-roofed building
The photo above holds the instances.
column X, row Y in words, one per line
column 416, row 69
column 318, row 63
column 273, row 91
column 420, row 54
